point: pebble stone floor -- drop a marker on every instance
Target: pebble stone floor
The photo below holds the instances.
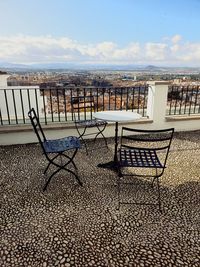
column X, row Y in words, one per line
column 69, row 225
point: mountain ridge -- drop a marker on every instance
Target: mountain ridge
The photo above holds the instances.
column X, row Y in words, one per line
column 76, row 66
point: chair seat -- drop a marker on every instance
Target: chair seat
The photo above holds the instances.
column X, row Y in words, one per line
column 145, row 158
column 60, row 145
column 91, row 123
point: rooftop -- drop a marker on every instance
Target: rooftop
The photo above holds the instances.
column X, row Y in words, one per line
column 69, row 225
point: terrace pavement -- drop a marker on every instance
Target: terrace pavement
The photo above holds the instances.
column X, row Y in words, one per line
column 69, row 225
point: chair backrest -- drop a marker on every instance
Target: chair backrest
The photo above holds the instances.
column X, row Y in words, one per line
column 158, row 140
column 37, row 127
column 81, row 106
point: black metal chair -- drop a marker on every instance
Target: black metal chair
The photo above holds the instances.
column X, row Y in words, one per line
column 146, row 151
column 53, row 149
column 82, row 109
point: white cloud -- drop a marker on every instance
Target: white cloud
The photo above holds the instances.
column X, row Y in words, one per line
column 155, row 51
column 176, row 38
column 46, row 49
column 190, row 52
column 175, row 48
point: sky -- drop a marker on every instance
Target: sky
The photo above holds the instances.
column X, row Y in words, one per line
column 138, row 32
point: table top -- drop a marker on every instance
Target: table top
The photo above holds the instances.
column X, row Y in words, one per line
column 117, row 115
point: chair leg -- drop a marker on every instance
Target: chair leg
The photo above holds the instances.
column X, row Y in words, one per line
column 84, row 142
column 81, row 134
column 156, row 178
column 48, row 181
column 103, row 138
column 50, row 162
column 158, row 188
column 101, row 132
column 70, row 159
column 47, row 167
column 76, row 176
column 60, row 167
column 81, row 137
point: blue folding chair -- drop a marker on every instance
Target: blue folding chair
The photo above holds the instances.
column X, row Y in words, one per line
column 53, row 149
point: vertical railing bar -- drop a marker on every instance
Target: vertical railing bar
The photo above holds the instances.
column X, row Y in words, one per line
column 133, row 90
column 44, row 108
column 195, row 99
column 14, row 104
column 170, row 106
column 115, row 98
column 176, row 101
column 8, row 114
column 180, row 107
column 186, row 100
column 78, row 94
column 58, row 104
column 103, row 100
column 65, row 106
column 29, row 100
column 36, row 102
column 121, row 92
column 175, row 88
column 92, row 105
column 97, row 97
column 190, row 105
column 72, row 111
column 1, row 117
column 199, row 101
column 109, row 96
column 144, row 101
column 146, row 98
column 195, row 102
column 84, row 104
column 138, row 99
column 22, row 105
column 127, row 93
column 50, row 94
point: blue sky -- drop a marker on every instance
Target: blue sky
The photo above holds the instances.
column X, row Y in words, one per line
column 100, row 31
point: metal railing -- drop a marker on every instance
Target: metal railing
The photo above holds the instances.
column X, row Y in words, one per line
column 54, row 105
column 183, row 100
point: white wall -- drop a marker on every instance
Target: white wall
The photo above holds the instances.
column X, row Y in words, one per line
column 3, row 80
column 22, row 94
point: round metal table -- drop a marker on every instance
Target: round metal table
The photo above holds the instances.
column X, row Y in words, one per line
column 115, row 116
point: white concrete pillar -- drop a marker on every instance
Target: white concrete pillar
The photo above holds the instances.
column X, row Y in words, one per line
column 3, row 80
column 157, row 101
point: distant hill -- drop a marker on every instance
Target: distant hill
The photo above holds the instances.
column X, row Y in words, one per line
column 7, row 66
